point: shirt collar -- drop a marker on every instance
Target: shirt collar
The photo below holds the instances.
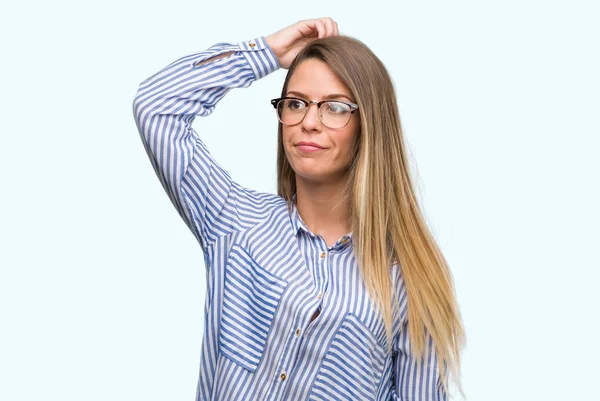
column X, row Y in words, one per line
column 298, row 224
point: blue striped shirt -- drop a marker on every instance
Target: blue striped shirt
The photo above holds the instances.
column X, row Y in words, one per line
column 267, row 273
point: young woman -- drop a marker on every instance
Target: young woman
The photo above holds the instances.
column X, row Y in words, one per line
column 333, row 289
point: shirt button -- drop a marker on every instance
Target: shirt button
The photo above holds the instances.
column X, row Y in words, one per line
column 344, row 241
column 282, row 376
column 297, row 332
column 319, row 295
column 252, row 44
column 322, row 255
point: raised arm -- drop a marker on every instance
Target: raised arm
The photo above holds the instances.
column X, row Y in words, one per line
column 164, row 108
column 167, row 103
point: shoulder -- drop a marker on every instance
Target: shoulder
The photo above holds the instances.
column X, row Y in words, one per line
column 257, row 202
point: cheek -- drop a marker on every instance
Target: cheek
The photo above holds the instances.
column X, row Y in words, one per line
column 286, row 136
column 347, row 142
column 286, row 139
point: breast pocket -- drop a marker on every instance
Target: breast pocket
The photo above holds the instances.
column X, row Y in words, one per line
column 250, row 299
column 353, row 366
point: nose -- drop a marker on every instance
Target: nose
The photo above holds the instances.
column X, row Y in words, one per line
column 311, row 120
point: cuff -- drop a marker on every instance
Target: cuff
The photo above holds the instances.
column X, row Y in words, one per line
column 260, row 56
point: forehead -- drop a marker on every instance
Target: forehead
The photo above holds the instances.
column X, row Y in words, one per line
column 316, row 80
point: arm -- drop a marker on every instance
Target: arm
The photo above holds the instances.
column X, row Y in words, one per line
column 412, row 382
column 167, row 103
column 165, row 107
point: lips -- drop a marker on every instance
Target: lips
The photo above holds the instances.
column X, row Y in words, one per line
column 311, row 144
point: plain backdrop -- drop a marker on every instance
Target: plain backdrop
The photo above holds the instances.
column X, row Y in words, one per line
column 102, row 284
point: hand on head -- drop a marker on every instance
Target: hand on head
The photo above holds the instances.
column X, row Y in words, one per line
column 287, row 42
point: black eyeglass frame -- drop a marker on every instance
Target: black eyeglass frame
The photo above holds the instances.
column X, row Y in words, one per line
column 307, row 103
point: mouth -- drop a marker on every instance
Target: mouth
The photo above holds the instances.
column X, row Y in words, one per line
column 308, row 147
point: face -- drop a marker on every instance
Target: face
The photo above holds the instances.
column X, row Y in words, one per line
column 314, row 80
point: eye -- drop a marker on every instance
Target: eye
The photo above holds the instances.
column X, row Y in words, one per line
column 338, row 108
column 294, row 104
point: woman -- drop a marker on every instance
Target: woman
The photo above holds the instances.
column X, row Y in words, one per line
column 333, row 289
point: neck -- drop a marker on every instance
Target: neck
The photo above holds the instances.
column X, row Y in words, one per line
column 323, row 208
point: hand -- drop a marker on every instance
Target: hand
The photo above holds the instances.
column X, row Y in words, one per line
column 287, row 42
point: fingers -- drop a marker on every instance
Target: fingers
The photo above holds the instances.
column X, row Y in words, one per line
column 321, row 29
column 330, row 27
column 324, row 27
column 306, row 28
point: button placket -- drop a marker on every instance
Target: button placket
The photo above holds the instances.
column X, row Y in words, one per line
column 323, row 256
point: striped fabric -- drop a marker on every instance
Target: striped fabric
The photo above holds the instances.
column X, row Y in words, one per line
column 267, row 273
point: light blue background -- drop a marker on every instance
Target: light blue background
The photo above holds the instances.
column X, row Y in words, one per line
column 101, row 283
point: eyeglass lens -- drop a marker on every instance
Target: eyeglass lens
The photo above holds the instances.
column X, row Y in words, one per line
column 333, row 114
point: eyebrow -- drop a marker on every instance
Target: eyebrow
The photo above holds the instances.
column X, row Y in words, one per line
column 331, row 96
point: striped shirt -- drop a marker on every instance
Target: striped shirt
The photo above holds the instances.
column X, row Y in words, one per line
column 268, row 275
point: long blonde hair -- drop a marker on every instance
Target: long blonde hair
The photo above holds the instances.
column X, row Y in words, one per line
column 387, row 224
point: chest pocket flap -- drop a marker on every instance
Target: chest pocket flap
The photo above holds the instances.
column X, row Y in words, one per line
column 353, row 366
column 250, row 299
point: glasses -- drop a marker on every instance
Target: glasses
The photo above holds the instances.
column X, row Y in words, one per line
column 334, row 114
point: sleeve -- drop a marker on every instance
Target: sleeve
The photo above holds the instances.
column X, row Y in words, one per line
column 164, row 109
column 412, row 381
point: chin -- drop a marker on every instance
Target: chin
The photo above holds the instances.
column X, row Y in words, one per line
column 315, row 175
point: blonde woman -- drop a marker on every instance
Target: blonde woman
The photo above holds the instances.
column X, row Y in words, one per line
column 333, row 289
